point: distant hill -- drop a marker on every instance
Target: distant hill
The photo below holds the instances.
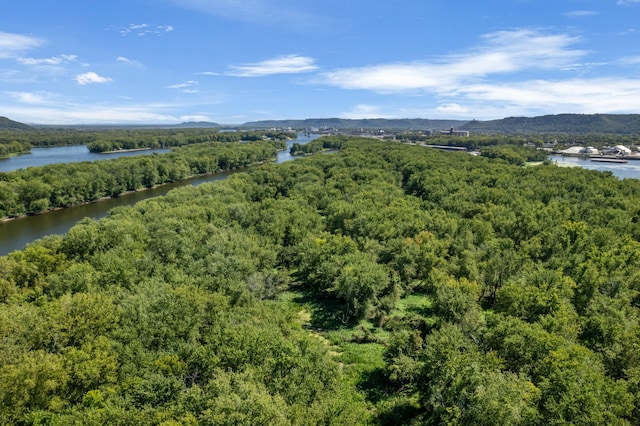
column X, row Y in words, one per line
column 6, row 124
column 342, row 123
column 97, row 127
column 560, row 123
column 196, row 124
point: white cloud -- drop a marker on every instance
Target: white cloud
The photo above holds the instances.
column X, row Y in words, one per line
column 145, row 29
column 91, row 78
column 502, row 52
column 194, row 118
column 582, row 66
column 13, row 44
column 487, row 101
column 493, row 81
column 452, row 109
column 32, row 98
column 363, row 111
column 125, row 60
column 627, row 2
column 91, row 114
column 289, row 64
column 71, row 113
column 186, row 87
column 630, row 60
column 448, row 110
column 54, row 60
column 581, row 13
column 580, row 95
column 186, row 84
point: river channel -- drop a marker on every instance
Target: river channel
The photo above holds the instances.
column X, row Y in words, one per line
column 15, row 234
column 64, row 154
column 630, row 169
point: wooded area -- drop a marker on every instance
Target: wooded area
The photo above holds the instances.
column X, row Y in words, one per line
column 37, row 189
column 386, row 284
column 13, row 142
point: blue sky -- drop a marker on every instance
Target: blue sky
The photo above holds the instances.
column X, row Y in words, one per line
column 232, row 61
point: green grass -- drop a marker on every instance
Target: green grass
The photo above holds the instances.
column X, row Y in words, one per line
column 359, row 348
column 413, row 303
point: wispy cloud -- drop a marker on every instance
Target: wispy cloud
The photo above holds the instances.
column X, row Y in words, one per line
column 447, row 110
column 581, row 13
column 363, row 111
column 493, row 80
column 627, row 2
column 54, row 60
column 630, row 60
column 583, row 95
column 261, row 11
column 32, row 98
column 582, row 66
column 501, row 52
column 185, row 87
column 125, row 60
column 145, row 29
column 91, row 78
column 290, row 64
column 12, row 45
column 65, row 112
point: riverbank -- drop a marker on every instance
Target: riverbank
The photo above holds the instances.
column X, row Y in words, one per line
column 17, row 232
column 191, row 177
column 14, row 154
column 118, row 151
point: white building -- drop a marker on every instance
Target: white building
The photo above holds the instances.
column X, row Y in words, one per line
column 619, row 150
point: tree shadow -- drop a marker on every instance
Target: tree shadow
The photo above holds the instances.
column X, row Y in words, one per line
column 399, row 410
column 326, row 314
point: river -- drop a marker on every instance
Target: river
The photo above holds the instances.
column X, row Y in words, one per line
column 15, row 234
column 64, row 154
column 629, row 170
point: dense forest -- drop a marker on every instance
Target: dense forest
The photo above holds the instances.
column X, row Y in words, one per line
column 36, row 189
column 318, row 145
column 387, row 284
column 116, row 140
column 12, row 142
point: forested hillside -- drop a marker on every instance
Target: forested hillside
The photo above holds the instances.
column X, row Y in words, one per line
column 365, row 123
column 386, row 284
column 7, row 124
column 561, row 123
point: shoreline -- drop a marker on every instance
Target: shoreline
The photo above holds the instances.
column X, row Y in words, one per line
column 22, row 216
column 117, row 151
column 15, row 154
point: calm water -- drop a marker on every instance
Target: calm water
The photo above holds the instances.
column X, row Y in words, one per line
column 63, row 154
column 15, row 234
column 630, row 170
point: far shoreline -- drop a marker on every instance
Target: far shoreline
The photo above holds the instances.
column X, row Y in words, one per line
column 117, row 151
